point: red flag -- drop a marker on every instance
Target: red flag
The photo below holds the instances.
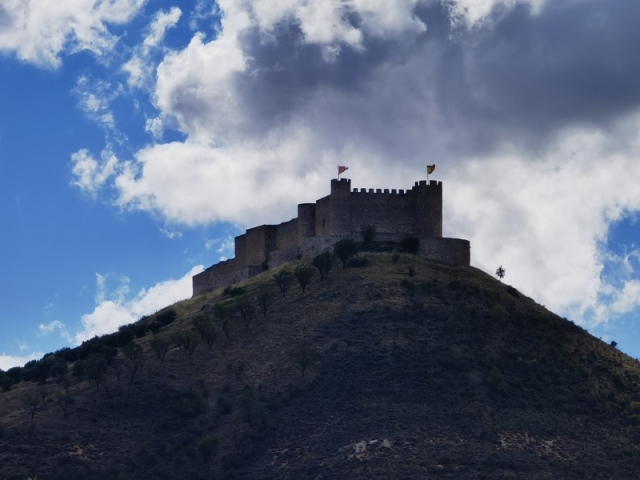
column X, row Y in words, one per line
column 342, row 169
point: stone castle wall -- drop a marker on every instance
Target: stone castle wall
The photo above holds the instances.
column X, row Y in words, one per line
column 396, row 214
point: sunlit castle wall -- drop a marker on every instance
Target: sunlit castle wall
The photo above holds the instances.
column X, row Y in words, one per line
column 396, row 214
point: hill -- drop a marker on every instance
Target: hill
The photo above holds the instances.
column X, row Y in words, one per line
column 414, row 370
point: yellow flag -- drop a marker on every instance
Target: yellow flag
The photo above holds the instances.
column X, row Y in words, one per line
column 430, row 169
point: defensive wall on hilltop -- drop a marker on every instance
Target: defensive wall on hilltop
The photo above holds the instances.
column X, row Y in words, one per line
column 318, row 226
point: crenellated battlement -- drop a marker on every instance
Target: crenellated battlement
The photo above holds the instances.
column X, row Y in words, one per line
column 396, row 214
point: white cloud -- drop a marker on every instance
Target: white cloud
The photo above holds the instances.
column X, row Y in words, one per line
column 141, row 67
column 627, row 299
column 95, row 99
column 91, row 174
column 195, row 87
column 51, row 327
column 39, row 31
column 155, row 127
column 266, row 123
column 114, row 309
column 473, row 12
column 213, row 183
column 546, row 220
column 10, row 361
column 326, row 22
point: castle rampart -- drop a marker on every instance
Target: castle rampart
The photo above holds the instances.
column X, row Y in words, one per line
column 396, row 215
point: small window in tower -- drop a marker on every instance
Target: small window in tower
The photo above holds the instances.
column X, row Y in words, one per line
column 323, row 223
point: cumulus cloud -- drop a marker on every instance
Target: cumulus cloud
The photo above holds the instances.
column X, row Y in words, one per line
column 141, row 66
column 115, row 307
column 547, row 219
column 10, row 361
column 90, row 174
column 39, row 31
column 52, row 327
column 530, row 109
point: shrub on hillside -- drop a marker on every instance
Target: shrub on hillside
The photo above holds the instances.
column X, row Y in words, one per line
column 323, row 263
column 155, row 326
column 410, row 244
column 233, row 291
column 307, row 357
column 96, row 369
column 66, row 354
column 167, row 316
column 37, row 370
column 222, row 312
column 160, row 346
column 283, row 280
column 80, row 369
column 15, row 373
column 368, row 233
column 246, row 307
column 140, row 329
column 207, row 328
column 357, row 262
column 345, row 249
column 107, row 351
column 498, row 312
column 208, row 446
column 264, row 297
column 58, row 370
column 304, row 274
column 512, row 291
column 255, row 408
column 6, row 382
column 125, row 335
column 224, row 405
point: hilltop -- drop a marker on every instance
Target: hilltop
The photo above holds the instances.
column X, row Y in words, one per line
column 416, row 370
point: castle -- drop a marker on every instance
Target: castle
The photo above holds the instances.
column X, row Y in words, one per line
column 318, row 226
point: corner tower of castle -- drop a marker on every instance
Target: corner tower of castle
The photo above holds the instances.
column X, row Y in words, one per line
column 395, row 213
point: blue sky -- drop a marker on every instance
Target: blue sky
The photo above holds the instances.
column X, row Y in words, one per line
column 138, row 137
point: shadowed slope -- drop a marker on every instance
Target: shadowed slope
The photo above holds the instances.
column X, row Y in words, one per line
column 425, row 370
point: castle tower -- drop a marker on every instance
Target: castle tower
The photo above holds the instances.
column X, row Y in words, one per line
column 428, row 209
column 306, row 221
column 340, row 223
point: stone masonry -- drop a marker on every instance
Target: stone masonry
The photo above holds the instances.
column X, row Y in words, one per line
column 318, row 226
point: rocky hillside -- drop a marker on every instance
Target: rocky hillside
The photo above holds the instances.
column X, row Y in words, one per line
column 412, row 370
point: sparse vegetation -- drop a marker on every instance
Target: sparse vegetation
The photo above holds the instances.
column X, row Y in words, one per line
column 222, row 313
column 283, row 280
column 64, row 400
column 410, row 244
column 232, row 291
column 404, row 361
column 368, row 233
column 166, row 317
column 96, row 369
column 246, row 308
column 345, row 249
column 307, row 357
column 190, row 341
column 304, row 273
column 357, row 262
column 32, row 404
column 500, row 272
column 323, row 263
column 264, row 297
column 207, row 328
column 208, row 446
column 134, row 359
column 160, row 346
